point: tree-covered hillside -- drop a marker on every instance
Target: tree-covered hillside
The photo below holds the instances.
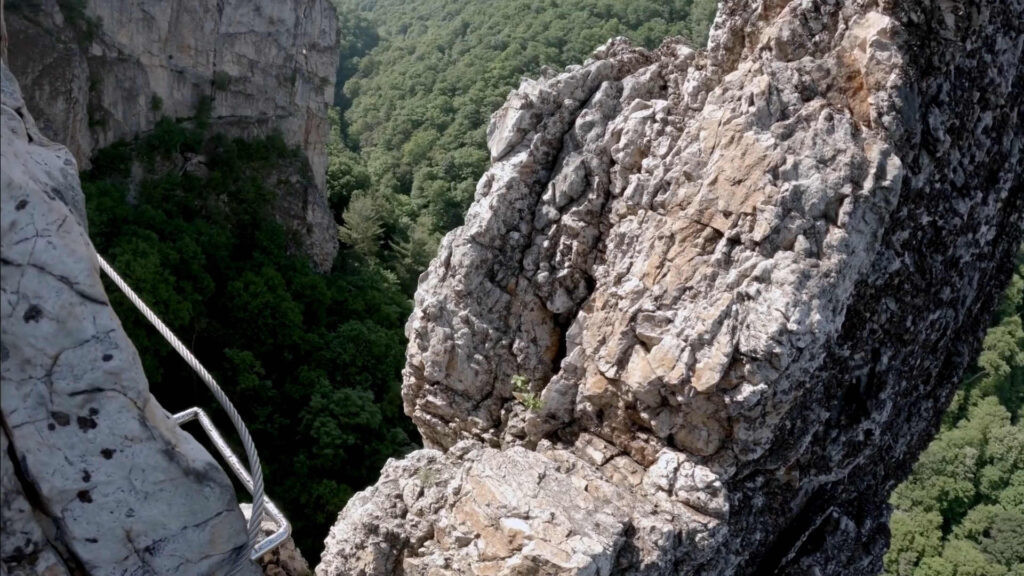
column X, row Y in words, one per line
column 411, row 146
column 312, row 361
column 961, row 513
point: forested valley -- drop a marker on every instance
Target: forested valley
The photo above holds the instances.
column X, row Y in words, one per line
column 314, row 361
column 417, row 85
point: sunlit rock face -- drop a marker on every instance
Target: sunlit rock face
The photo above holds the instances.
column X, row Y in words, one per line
column 96, row 478
column 739, row 284
column 100, row 71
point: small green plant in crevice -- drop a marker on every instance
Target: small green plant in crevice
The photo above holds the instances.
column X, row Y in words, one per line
column 204, row 112
column 221, row 80
column 82, row 23
column 521, row 390
column 156, row 103
column 427, row 476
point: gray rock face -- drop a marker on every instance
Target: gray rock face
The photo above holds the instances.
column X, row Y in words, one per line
column 24, row 549
column 112, row 69
column 96, row 477
column 478, row 510
column 740, row 286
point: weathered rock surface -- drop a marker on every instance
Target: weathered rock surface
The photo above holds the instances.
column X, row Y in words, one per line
column 103, row 70
column 24, row 549
column 741, row 284
column 96, row 477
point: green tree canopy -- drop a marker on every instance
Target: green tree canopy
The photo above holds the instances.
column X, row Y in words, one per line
column 417, row 100
column 311, row 361
column 961, row 512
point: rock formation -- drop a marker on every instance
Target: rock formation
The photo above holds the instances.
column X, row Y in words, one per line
column 98, row 71
column 96, row 477
column 708, row 307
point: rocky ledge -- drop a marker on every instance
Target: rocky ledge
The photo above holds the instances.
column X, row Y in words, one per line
column 708, row 306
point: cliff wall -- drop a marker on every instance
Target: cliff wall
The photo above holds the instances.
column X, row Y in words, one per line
column 98, row 71
column 708, row 306
column 97, row 479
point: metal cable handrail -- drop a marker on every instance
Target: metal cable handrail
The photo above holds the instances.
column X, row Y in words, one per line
column 253, row 480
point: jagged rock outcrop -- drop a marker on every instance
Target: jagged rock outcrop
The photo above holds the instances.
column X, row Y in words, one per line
column 96, row 477
column 98, row 71
column 708, row 307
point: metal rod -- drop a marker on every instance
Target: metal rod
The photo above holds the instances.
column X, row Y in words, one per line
column 284, row 528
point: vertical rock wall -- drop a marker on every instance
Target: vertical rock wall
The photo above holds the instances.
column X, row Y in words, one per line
column 96, row 477
column 708, row 307
column 99, row 71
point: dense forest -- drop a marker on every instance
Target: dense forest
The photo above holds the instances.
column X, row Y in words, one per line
column 410, row 144
column 961, row 513
column 313, row 361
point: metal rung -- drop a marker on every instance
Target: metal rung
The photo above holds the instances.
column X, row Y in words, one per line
column 284, row 528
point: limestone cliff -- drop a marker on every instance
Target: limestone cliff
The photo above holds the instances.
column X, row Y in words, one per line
column 97, row 71
column 708, row 306
column 96, row 478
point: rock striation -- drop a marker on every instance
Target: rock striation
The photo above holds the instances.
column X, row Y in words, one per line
column 708, row 306
column 99, row 71
column 96, row 477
